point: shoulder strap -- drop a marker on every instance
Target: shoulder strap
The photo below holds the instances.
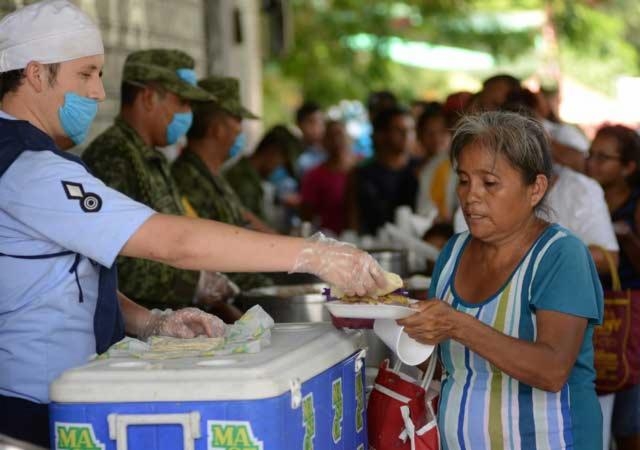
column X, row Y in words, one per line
column 16, row 136
column 615, row 278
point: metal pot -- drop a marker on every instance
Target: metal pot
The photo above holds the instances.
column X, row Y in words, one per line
column 392, row 260
column 294, row 303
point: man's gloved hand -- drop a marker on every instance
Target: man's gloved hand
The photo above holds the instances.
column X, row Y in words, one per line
column 183, row 323
column 214, row 287
column 340, row 264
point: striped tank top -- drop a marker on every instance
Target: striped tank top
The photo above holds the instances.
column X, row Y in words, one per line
column 482, row 407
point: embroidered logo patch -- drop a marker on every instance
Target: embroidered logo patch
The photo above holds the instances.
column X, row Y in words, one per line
column 89, row 202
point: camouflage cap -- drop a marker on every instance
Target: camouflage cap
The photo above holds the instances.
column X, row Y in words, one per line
column 227, row 92
column 172, row 69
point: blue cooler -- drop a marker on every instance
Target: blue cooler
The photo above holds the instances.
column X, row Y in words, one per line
column 305, row 391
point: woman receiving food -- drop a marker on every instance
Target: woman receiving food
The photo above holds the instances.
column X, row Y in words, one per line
column 513, row 302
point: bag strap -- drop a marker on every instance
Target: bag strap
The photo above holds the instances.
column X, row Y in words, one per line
column 616, row 285
column 431, row 369
column 428, row 373
column 409, row 431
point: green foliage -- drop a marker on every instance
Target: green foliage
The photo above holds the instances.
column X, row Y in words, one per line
column 593, row 45
column 597, row 44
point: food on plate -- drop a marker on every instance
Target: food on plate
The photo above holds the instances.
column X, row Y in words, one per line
column 394, row 282
column 392, row 295
column 389, row 299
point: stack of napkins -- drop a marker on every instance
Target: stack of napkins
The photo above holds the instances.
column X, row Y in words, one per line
column 249, row 334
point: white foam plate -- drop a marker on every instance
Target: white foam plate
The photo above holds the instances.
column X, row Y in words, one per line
column 369, row 311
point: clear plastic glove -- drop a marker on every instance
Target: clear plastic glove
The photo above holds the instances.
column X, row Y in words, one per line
column 214, row 287
column 184, row 323
column 342, row 265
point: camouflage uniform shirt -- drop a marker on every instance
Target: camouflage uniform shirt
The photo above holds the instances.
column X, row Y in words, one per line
column 247, row 184
column 212, row 197
column 209, row 194
column 121, row 159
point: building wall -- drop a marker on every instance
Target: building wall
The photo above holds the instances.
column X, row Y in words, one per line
column 199, row 27
column 227, row 55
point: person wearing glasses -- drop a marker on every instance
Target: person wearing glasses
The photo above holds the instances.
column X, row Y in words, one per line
column 614, row 162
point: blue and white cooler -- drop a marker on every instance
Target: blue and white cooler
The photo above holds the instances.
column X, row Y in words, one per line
column 305, row 391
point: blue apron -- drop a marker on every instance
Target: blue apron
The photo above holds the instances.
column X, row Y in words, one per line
column 16, row 136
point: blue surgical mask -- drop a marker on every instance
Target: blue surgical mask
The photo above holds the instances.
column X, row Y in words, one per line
column 76, row 116
column 238, row 145
column 179, row 126
column 278, row 174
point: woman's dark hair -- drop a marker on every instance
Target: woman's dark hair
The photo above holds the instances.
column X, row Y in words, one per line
column 628, row 147
column 521, row 140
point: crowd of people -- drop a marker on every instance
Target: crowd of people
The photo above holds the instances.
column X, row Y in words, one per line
column 539, row 210
column 591, row 194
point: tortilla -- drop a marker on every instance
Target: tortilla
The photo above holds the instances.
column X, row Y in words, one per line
column 171, row 344
column 394, row 282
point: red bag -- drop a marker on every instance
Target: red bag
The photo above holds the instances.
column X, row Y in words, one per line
column 617, row 341
column 401, row 413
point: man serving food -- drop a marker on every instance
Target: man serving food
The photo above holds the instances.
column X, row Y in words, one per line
column 61, row 229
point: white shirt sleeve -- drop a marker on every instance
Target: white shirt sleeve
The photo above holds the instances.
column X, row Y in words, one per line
column 579, row 205
column 58, row 200
column 593, row 221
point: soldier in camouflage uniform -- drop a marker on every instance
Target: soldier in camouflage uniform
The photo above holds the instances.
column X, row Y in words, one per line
column 248, row 174
column 157, row 88
column 215, row 131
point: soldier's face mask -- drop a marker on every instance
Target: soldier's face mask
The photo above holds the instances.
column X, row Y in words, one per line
column 76, row 116
column 238, row 145
column 178, row 127
column 180, row 113
column 277, row 175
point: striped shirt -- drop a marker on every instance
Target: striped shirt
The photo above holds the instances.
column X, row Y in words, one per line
column 482, row 407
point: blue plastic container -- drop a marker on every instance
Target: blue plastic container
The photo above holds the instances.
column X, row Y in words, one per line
column 306, row 391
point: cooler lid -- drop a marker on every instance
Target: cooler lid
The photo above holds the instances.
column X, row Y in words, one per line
column 297, row 351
